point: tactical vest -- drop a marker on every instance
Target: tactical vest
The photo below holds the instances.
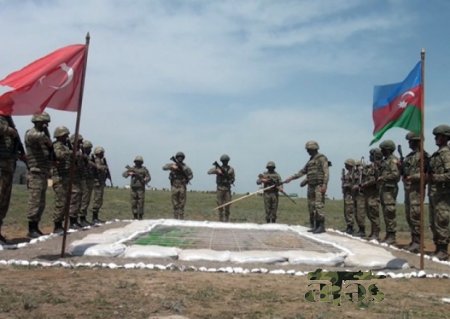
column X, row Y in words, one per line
column 314, row 170
column 62, row 161
column 440, row 164
column 38, row 153
column 225, row 179
column 138, row 179
column 7, row 143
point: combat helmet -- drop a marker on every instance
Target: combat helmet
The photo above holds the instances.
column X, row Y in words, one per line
column 72, row 138
column 139, row 158
column 61, row 131
column 180, row 154
column 350, row 162
column 224, row 158
column 375, row 151
column 87, row 144
column 270, row 164
column 388, row 145
column 442, row 129
column 411, row 136
column 42, row 117
column 312, row 145
column 99, row 150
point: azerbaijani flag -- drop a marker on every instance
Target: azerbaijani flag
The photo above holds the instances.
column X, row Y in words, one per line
column 398, row 104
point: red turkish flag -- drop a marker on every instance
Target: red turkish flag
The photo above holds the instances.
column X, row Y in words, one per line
column 52, row 81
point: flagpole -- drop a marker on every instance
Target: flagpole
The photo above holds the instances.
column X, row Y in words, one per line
column 422, row 162
column 74, row 150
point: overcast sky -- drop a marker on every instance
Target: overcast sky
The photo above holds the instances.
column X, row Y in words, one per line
column 253, row 79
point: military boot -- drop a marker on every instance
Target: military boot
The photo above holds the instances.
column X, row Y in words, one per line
column 414, row 246
column 95, row 219
column 33, row 230
column 58, row 228
column 140, row 216
column 362, row 232
column 84, row 222
column 349, row 230
column 135, row 216
column 74, row 223
column 320, row 228
column 375, row 235
column 442, row 253
column 3, row 240
column 390, row 238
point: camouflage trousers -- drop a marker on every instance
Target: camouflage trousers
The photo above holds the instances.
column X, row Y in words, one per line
column 178, row 201
column 388, row 197
column 316, row 203
column 37, row 188
column 440, row 217
column 271, row 206
column 359, row 203
column 98, row 191
column 372, row 199
column 75, row 199
column 87, row 185
column 412, row 209
column 348, row 210
column 224, row 196
column 7, row 167
column 60, row 187
column 137, row 198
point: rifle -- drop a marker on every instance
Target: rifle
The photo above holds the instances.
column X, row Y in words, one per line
column 277, row 184
column 400, row 152
column 180, row 167
column 108, row 172
column 18, row 145
column 224, row 171
column 129, row 168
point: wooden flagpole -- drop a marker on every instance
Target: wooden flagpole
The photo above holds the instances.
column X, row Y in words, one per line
column 74, row 150
column 248, row 195
column 422, row 162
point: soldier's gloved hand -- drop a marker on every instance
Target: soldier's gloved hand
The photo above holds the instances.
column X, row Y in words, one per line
column 304, row 183
column 287, row 180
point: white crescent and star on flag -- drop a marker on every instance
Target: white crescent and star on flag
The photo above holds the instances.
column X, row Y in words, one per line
column 69, row 74
column 404, row 99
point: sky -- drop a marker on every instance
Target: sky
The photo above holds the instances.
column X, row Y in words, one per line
column 253, row 79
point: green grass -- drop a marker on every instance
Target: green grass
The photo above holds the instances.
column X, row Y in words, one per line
column 199, row 206
column 167, row 236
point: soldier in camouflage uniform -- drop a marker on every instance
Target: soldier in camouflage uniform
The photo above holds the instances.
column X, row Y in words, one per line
column 75, row 200
column 8, row 157
column 180, row 175
column 267, row 179
column 140, row 176
column 39, row 149
column 347, row 184
column 87, row 182
column 100, row 176
column 317, row 176
column 224, row 180
column 411, row 182
column 60, row 175
column 439, row 191
column 388, row 182
column 371, row 192
column 359, row 202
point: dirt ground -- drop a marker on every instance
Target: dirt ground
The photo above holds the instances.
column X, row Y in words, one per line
column 41, row 292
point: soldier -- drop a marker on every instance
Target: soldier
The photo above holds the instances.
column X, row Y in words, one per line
column 317, row 176
column 9, row 140
column 75, row 200
column 359, row 202
column 100, row 176
column 439, row 191
column 411, row 182
column 180, row 175
column 371, row 192
column 267, row 179
column 87, row 182
column 347, row 185
column 388, row 182
column 140, row 176
column 60, row 175
column 40, row 155
column 224, row 179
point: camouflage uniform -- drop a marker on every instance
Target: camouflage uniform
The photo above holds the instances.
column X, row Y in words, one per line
column 39, row 149
column 411, row 183
column 372, row 193
column 317, row 176
column 8, row 157
column 180, row 175
column 224, row 179
column 100, row 176
column 60, row 175
column 359, row 202
column 439, row 176
column 388, row 180
column 347, row 184
column 140, row 176
column 269, row 178
column 77, row 180
column 87, row 184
